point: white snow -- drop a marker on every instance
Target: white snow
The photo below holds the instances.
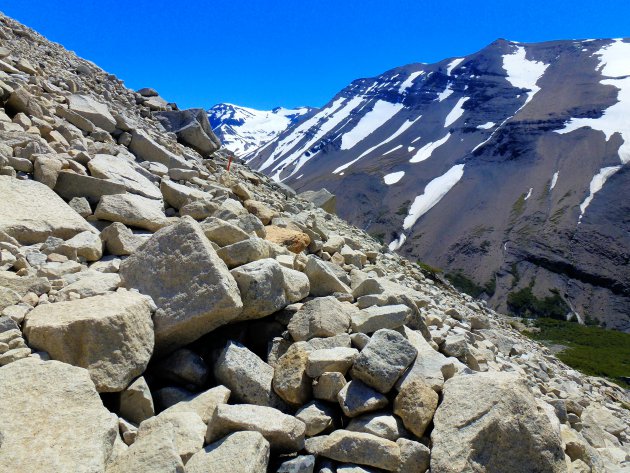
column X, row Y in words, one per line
column 433, row 193
column 554, row 180
column 427, row 150
column 529, row 193
column 392, row 150
column 258, row 127
column 615, row 64
column 404, row 127
column 485, row 126
column 453, row 64
column 446, row 93
column 409, row 81
column 393, row 178
column 397, row 243
column 380, row 114
column 596, row 185
column 523, row 73
column 456, row 113
column 410, row 149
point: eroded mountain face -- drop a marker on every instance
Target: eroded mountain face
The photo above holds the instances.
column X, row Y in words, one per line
column 508, row 166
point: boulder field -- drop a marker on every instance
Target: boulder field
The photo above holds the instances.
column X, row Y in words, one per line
column 161, row 314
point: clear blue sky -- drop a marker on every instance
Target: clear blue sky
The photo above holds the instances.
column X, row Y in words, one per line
column 295, row 52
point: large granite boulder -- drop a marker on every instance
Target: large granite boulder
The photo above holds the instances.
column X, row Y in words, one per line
column 192, row 129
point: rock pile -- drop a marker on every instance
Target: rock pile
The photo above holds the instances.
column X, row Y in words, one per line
column 160, row 314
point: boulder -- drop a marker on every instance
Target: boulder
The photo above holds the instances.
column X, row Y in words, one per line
column 136, row 402
column 415, row 404
column 192, row 287
column 53, row 420
column 23, row 217
column 154, row 452
column 357, row 398
column 120, row 240
column 132, row 210
column 94, row 111
column 324, row 281
column 124, row 172
column 484, row 415
column 330, row 359
column 414, row 456
column 300, row 464
column 243, row 252
column 192, row 129
column 260, row 210
column 111, row 336
column 70, row 185
column 322, row 199
column 383, row 360
column 317, row 416
column 320, row 317
column 87, row 245
column 328, row 385
column 282, row 431
column 356, row 447
column 147, row 149
column 88, row 283
column 290, row 381
column 202, row 404
column 378, row 423
column 177, row 195
column 188, row 431
column 248, row 377
column 375, row 318
column 240, row 452
column 295, row 241
column 221, row 232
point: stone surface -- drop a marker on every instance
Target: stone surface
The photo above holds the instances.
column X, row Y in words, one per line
column 248, row 377
column 192, row 129
column 88, row 283
column 177, row 195
column 183, row 367
column 70, row 185
column 147, row 149
column 188, row 431
column 79, row 432
column 132, row 210
column 111, row 336
column 320, row 317
column 119, row 240
column 87, row 245
column 328, row 385
column 375, row 318
column 290, row 381
column 357, row 447
column 284, row 432
column 94, row 111
column 317, row 416
column 356, row 398
column 380, row 424
column 386, row 356
column 221, row 232
column 295, row 241
column 124, row 172
column 414, row 456
column 240, row 452
column 202, row 404
column 321, row 198
column 415, row 404
column 330, row 359
column 23, row 217
column 301, row 464
column 484, row 415
column 243, row 252
column 136, row 402
column 323, row 280
column 191, row 286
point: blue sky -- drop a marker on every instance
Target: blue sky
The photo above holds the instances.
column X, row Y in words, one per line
column 293, row 52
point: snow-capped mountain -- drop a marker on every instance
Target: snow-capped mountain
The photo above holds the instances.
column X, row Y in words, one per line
column 242, row 130
column 508, row 166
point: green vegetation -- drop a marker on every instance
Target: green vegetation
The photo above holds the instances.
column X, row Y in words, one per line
column 380, row 237
column 491, row 286
column 404, row 208
column 518, row 207
column 428, row 268
column 515, row 274
column 523, row 303
column 464, row 284
column 592, row 350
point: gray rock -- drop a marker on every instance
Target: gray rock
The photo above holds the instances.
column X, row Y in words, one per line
column 188, row 431
column 380, row 424
column 132, row 210
column 322, row 199
column 383, row 360
column 415, row 404
column 248, row 377
column 191, row 286
column 70, row 185
column 375, row 318
column 301, row 464
column 88, row 283
column 185, row 367
column 357, row 398
column 202, row 404
column 221, row 232
column 243, row 252
column 120, row 323
column 145, row 148
column 124, row 172
column 328, row 385
column 414, row 456
column 284, row 432
column 330, row 359
column 94, row 111
column 192, row 129
column 240, row 452
column 320, row 317
column 87, row 245
column 317, row 416
column 81, row 206
column 120, row 240
column 290, row 381
column 177, row 195
column 136, row 402
column 484, row 415
column 80, row 431
column 323, row 280
column 261, row 284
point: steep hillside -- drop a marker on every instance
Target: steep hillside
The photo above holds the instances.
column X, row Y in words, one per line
column 160, row 313
column 507, row 167
column 243, row 130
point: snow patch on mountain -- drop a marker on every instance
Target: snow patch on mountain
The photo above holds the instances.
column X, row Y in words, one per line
column 427, row 150
column 380, row 114
column 393, row 177
column 456, row 113
column 596, row 185
column 554, row 180
column 453, row 64
column 523, row 73
column 446, row 93
column 409, row 81
column 485, row 126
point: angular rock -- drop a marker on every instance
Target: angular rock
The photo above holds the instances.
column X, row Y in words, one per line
column 124, row 172
column 295, row 241
column 284, row 432
column 132, row 210
column 330, row 359
column 111, row 336
column 383, row 360
column 145, row 148
column 221, row 232
column 177, row 195
column 191, row 286
column 357, row 398
column 120, row 240
column 88, row 284
column 483, row 416
column 290, row 381
column 260, row 210
column 240, row 452
column 380, row 424
column 184, row 367
column 81, row 206
column 415, row 404
column 323, row 280
column 79, row 431
column 248, row 377
column 23, row 217
column 357, row 447
column 94, row 111
column 136, row 402
column 188, row 431
column 328, row 385
column 414, row 456
column 320, row 317
column 87, row 245
column 70, row 185
column 322, row 199
column 317, row 416
column 243, row 252
column 375, row 318
column 192, row 129
column 202, row 404
column 296, row 285
column 301, row 464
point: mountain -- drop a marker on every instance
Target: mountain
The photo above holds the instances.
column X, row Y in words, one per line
column 506, row 168
column 242, row 130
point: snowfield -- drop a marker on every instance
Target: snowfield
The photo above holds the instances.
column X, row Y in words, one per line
column 393, row 178
column 427, row 150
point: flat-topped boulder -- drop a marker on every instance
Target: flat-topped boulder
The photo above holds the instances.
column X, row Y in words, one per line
column 94, row 111
column 24, row 217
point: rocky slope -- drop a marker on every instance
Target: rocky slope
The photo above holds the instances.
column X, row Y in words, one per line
column 160, row 314
column 507, row 166
column 243, row 130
